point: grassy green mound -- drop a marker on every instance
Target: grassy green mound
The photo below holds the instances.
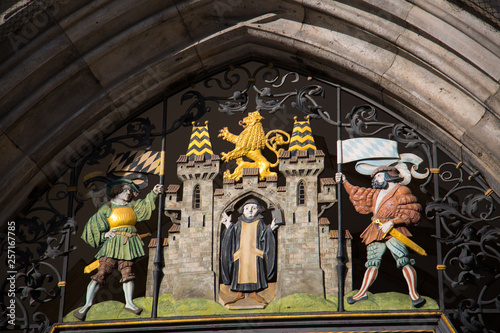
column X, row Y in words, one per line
column 301, row 303
column 167, row 307
column 391, row 301
column 298, row 303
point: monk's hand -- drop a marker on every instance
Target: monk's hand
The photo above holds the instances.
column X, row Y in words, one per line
column 339, row 177
column 158, row 189
column 386, row 226
column 226, row 220
column 274, row 225
column 110, row 234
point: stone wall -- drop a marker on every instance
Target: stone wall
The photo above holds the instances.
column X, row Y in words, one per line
column 188, row 258
column 328, row 256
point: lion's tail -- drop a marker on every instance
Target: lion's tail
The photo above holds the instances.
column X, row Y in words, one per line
column 277, row 140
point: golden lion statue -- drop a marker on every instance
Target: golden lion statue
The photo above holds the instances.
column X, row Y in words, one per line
column 249, row 144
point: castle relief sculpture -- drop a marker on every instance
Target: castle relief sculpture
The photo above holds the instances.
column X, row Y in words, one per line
column 245, row 235
column 262, row 236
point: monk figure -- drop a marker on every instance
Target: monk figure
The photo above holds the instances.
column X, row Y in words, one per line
column 248, row 253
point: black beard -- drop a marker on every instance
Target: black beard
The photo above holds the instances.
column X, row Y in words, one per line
column 380, row 185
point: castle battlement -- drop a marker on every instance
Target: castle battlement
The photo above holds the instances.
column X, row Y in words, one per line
column 302, row 163
column 198, row 167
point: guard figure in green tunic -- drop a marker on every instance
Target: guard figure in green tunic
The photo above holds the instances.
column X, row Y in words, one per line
column 113, row 229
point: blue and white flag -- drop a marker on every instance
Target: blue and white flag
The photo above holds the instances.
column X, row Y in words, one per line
column 372, row 153
column 366, row 148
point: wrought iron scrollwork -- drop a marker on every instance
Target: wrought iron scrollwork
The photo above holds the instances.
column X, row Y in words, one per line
column 36, row 282
column 365, row 117
column 469, row 219
column 189, row 116
column 138, row 135
column 37, row 278
column 467, row 215
column 266, row 99
column 360, row 118
column 306, row 103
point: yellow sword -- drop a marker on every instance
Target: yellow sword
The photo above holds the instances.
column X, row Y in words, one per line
column 90, row 267
column 403, row 239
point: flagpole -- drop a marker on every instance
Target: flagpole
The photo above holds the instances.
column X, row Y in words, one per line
column 341, row 258
column 157, row 272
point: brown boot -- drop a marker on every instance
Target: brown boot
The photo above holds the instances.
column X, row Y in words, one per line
column 257, row 297
column 235, row 299
column 81, row 316
column 136, row 311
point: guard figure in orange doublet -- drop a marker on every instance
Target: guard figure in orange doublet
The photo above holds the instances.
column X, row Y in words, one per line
column 113, row 229
column 248, row 253
column 393, row 206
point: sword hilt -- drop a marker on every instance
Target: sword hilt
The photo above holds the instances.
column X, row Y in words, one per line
column 377, row 221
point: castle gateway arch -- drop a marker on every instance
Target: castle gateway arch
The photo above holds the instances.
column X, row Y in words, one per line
column 73, row 72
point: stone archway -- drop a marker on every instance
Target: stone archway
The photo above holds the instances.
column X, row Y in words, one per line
column 232, row 204
column 79, row 69
column 444, row 78
column 83, row 68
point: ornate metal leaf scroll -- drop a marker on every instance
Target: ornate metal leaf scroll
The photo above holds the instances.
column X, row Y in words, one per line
column 468, row 218
column 241, row 82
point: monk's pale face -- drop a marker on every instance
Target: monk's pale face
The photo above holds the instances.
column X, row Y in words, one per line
column 250, row 210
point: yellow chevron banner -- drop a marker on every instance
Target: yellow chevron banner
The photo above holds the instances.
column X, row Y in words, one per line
column 308, row 138
column 200, row 143
column 306, row 147
column 305, row 129
column 201, row 135
column 302, row 138
column 205, row 151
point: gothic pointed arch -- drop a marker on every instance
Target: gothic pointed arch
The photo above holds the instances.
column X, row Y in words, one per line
column 233, row 204
column 423, row 75
column 77, row 72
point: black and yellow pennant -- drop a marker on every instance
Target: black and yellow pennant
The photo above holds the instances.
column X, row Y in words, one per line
column 302, row 138
column 142, row 161
column 200, row 143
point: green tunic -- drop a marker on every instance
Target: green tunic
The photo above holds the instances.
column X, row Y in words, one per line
column 98, row 225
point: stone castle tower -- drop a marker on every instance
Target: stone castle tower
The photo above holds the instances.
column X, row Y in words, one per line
column 189, row 270
column 306, row 248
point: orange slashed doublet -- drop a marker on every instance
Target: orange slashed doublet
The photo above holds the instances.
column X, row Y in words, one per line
column 399, row 205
